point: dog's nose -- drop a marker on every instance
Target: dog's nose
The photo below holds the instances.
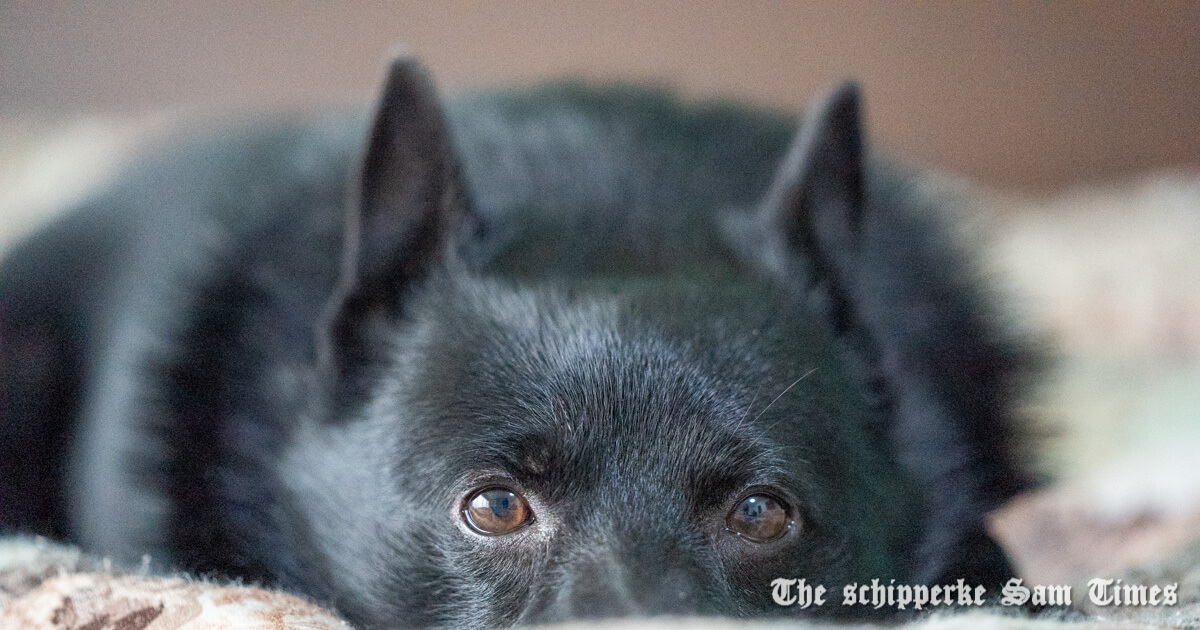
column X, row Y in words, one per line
column 597, row 589
column 608, row 587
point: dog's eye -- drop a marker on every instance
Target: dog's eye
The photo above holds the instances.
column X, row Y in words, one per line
column 496, row 511
column 759, row 518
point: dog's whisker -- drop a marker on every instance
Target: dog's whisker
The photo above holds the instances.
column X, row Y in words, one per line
column 786, row 390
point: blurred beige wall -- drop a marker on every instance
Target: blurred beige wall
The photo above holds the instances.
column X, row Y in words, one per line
column 1028, row 95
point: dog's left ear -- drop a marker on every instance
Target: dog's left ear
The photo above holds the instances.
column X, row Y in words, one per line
column 815, row 203
column 945, row 378
column 408, row 208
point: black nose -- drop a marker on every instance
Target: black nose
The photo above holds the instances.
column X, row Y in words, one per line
column 610, row 586
column 596, row 589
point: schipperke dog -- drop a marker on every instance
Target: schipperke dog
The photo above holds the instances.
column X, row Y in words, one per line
column 541, row 354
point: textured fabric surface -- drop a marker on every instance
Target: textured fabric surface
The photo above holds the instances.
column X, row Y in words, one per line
column 44, row 586
column 50, row 587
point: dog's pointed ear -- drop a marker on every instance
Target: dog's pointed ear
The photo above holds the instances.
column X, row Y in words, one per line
column 814, row 207
column 402, row 220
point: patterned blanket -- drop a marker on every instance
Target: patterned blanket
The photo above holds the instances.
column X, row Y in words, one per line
column 45, row 586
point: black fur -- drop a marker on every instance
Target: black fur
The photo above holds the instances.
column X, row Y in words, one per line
column 631, row 310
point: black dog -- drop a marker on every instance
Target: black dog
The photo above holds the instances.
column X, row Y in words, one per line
column 581, row 353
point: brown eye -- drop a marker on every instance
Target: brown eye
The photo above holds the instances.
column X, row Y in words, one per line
column 496, row 511
column 759, row 518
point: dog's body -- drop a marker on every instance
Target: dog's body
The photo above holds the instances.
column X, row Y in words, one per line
column 615, row 306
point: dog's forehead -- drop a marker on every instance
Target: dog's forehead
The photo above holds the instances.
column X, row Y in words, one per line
column 545, row 379
column 585, row 354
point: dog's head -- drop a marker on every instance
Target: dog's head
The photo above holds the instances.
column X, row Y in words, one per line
column 493, row 452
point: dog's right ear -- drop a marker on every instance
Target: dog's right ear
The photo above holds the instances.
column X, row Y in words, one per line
column 402, row 219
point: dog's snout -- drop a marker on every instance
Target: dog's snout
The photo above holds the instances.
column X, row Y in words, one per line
column 612, row 586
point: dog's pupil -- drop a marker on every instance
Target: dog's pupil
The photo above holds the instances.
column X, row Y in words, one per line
column 758, row 518
column 496, row 511
column 500, row 506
